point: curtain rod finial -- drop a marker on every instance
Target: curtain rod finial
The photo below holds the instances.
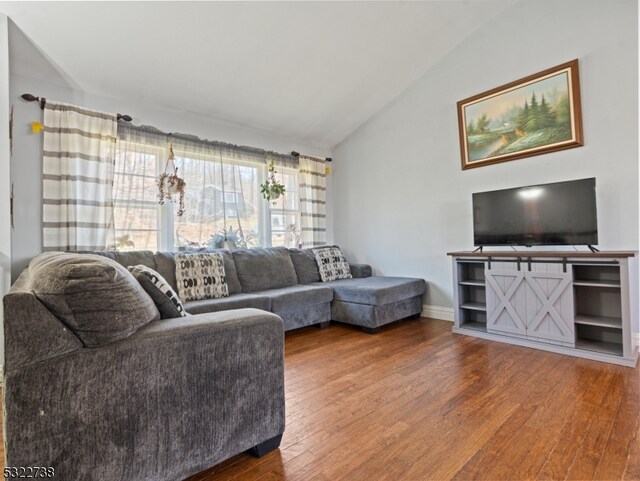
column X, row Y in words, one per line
column 294, row 153
column 33, row 98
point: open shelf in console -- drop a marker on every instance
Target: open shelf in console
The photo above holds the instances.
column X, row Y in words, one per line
column 471, row 273
column 474, row 306
column 474, row 319
column 472, row 301
column 601, row 321
column 606, row 340
column 589, row 275
column 598, row 308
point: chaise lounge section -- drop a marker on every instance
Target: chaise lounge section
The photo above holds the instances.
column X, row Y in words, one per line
column 372, row 302
column 366, row 301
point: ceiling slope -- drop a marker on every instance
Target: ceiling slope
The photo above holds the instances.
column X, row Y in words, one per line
column 310, row 71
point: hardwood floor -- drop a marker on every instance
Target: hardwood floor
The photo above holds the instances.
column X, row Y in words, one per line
column 416, row 402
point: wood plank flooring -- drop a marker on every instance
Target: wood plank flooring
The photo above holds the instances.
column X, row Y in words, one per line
column 416, row 402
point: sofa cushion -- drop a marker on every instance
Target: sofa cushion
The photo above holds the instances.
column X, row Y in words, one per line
column 297, row 296
column 201, row 276
column 332, row 264
column 165, row 298
column 264, row 268
column 304, row 262
column 166, row 266
column 305, row 265
column 237, row 301
column 376, row 291
column 129, row 258
column 97, row 298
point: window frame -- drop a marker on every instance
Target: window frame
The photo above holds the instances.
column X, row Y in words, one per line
column 261, row 175
column 164, row 213
column 270, row 210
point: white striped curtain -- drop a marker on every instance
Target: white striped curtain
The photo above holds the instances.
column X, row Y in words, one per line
column 313, row 187
column 77, row 181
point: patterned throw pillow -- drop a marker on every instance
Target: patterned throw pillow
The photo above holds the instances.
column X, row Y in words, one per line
column 201, row 276
column 159, row 290
column 332, row 264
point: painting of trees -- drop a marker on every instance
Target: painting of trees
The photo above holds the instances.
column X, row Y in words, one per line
column 537, row 114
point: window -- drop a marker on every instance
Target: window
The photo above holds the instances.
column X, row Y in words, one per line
column 222, row 200
column 223, row 204
column 284, row 213
column 136, row 210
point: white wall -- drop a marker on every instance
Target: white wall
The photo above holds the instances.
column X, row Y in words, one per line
column 402, row 200
column 27, row 159
column 5, row 183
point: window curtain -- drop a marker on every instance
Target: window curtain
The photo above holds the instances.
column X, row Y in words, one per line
column 139, row 152
column 222, row 202
column 312, row 191
column 78, row 166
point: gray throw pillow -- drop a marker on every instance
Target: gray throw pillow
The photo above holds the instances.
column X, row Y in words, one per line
column 332, row 264
column 201, row 276
column 95, row 296
column 166, row 299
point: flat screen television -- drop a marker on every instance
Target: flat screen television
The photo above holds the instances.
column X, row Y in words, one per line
column 562, row 213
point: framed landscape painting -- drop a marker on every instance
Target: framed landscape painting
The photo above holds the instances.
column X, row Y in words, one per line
column 534, row 115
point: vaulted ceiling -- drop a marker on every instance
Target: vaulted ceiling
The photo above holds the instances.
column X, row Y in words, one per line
column 310, row 71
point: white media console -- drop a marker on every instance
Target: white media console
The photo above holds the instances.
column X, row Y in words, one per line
column 582, row 304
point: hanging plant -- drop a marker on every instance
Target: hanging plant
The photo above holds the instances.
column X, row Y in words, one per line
column 271, row 189
column 170, row 186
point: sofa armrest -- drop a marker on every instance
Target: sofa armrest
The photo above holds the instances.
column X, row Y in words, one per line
column 360, row 270
column 210, row 385
column 32, row 334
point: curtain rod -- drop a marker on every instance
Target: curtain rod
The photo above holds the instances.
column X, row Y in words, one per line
column 297, row 154
column 287, row 158
column 127, row 118
column 43, row 102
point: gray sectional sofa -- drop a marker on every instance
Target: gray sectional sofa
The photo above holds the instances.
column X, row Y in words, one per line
column 165, row 399
column 287, row 283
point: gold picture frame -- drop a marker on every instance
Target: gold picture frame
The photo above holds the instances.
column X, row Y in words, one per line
column 534, row 115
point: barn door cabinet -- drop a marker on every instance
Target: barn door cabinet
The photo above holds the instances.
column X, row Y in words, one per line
column 580, row 303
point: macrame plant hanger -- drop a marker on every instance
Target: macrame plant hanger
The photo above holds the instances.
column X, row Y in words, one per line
column 170, row 184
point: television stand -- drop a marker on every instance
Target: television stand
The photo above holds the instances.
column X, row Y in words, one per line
column 578, row 303
column 593, row 249
column 478, row 249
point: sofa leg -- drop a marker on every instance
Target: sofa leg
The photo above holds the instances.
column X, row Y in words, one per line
column 416, row 316
column 265, row 447
column 324, row 324
column 371, row 330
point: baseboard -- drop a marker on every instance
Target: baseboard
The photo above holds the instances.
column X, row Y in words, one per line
column 437, row 312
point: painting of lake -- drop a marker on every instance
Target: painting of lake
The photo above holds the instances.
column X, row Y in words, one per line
column 527, row 117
